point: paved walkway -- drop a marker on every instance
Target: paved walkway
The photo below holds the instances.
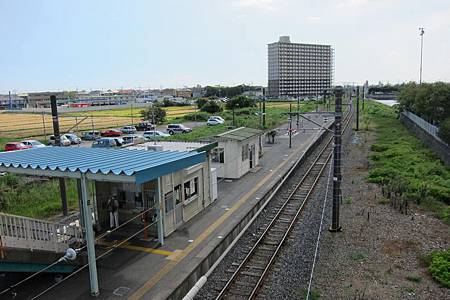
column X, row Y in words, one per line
column 137, row 271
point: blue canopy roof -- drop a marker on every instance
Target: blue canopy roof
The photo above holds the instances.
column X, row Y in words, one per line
column 142, row 165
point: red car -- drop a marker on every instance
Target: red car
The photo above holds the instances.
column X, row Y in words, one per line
column 112, row 133
column 12, row 146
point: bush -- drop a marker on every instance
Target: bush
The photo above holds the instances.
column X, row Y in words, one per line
column 158, row 111
column 439, row 267
column 200, row 102
column 202, row 116
column 211, row 107
column 240, row 102
column 444, row 131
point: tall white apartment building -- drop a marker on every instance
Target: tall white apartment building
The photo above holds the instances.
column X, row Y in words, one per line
column 299, row 70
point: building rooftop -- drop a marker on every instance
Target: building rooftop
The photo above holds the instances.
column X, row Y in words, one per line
column 98, row 163
column 174, row 146
column 240, row 134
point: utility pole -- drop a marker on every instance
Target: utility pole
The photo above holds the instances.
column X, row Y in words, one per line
column 298, row 111
column 10, row 101
column 264, row 112
column 337, row 177
column 290, row 125
column 62, row 181
column 421, row 32
column 357, row 108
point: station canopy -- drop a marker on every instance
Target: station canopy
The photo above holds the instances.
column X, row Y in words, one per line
column 98, row 163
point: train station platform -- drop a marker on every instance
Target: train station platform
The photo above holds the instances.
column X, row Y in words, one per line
column 140, row 270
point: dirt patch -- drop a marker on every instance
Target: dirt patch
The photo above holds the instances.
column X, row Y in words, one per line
column 378, row 253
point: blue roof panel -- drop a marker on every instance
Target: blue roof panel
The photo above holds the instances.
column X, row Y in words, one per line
column 145, row 165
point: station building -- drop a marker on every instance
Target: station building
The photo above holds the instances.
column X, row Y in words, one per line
column 237, row 153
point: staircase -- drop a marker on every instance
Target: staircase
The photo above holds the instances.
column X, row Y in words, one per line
column 32, row 234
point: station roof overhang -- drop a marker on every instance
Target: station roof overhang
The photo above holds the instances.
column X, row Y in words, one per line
column 115, row 165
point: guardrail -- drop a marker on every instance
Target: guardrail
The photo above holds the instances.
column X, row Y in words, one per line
column 27, row 233
column 428, row 127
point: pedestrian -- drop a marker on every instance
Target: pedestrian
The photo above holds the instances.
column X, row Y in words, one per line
column 113, row 208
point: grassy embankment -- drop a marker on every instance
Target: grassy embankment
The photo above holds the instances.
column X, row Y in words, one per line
column 34, row 199
column 404, row 165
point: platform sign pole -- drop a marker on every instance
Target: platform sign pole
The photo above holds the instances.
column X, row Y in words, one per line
column 337, row 177
column 87, row 217
column 159, row 213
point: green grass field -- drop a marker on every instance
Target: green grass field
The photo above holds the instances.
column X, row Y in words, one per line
column 400, row 158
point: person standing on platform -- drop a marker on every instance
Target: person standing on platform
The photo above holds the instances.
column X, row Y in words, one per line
column 113, row 208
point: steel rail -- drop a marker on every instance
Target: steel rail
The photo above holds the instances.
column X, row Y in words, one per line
column 275, row 218
column 252, row 251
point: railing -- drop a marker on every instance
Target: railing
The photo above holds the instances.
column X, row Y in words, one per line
column 430, row 128
column 33, row 234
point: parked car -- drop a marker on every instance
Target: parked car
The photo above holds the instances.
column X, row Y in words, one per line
column 111, row 133
column 33, row 143
column 177, row 128
column 128, row 129
column 64, row 140
column 13, row 146
column 144, row 126
column 73, row 138
column 215, row 120
column 119, row 141
column 155, row 134
column 133, row 139
column 104, row 143
column 91, row 135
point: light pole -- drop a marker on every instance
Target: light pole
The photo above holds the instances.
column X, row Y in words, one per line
column 421, row 32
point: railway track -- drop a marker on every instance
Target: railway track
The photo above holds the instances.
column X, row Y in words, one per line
column 248, row 276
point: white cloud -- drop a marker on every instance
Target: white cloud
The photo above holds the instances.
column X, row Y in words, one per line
column 313, row 19
column 257, row 4
column 352, row 3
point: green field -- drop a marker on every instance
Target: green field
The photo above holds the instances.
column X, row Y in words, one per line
column 403, row 164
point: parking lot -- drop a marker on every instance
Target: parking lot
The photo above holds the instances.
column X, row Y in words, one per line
column 162, row 128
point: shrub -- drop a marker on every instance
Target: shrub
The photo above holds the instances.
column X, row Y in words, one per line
column 240, row 102
column 211, row 107
column 439, row 267
column 201, row 116
column 200, row 102
column 444, row 131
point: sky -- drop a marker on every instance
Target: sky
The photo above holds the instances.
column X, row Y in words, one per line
column 76, row 45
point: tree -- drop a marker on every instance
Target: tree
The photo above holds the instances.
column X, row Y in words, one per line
column 158, row 111
column 240, row 102
column 211, row 107
column 200, row 102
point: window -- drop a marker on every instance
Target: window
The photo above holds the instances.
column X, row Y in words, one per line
column 218, row 155
column 168, row 200
column 244, row 152
column 190, row 190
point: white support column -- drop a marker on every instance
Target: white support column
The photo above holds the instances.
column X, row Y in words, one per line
column 87, row 216
column 159, row 212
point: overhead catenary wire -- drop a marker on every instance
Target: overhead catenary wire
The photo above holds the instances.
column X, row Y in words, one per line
column 12, row 287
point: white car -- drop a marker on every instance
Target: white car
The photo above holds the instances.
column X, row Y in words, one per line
column 73, row 138
column 215, row 120
column 33, row 143
column 155, row 134
column 133, row 139
column 64, row 140
column 128, row 129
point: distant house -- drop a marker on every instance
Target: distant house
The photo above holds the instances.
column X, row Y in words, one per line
column 15, row 102
column 237, row 152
